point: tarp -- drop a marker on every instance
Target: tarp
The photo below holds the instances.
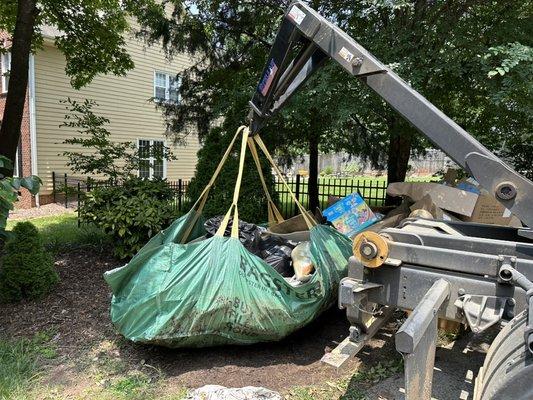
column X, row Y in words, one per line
column 178, row 292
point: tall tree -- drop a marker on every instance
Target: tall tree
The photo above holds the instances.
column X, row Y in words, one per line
column 443, row 48
column 90, row 35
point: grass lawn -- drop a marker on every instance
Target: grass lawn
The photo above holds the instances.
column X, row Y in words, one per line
column 61, row 232
column 21, row 364
column 25, row 375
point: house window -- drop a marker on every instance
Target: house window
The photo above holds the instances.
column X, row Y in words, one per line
column 152, row 164
column 166, row 87
column 5, row 61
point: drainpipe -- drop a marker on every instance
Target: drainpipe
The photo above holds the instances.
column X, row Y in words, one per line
column 33, row 127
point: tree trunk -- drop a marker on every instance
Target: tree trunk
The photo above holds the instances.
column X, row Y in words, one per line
column 312, row 188
column 18, row 80
column 398, row 158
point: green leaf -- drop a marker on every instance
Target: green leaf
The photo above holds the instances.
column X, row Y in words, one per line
column 16, row 183
column 32, row 183
column 6, row 163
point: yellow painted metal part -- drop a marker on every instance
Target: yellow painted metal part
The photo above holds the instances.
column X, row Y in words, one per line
column 378, row 241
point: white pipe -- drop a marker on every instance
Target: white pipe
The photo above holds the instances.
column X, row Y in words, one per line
column 33, row 126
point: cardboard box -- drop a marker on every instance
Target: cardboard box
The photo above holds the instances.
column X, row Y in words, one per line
column 489, row 211
column 447, row 198
column 427, row 203
column 350, row 215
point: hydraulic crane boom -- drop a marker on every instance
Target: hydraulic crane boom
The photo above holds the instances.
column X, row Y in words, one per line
column 319, row 40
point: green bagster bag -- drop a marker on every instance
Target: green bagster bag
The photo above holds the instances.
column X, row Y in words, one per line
column 214, row 291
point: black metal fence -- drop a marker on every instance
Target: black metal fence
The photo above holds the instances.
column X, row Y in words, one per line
column 373, row 190
column 69, row 190
column 181, row 200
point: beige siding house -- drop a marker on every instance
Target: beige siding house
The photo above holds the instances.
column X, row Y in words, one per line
column 124, row 100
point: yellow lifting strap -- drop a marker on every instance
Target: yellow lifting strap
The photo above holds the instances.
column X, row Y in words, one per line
column 205, row 193
column 200, row 203
column 233, row 207
column 309, row 221
column 274, row 216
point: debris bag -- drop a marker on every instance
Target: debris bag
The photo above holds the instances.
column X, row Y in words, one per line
column 178, row 292
column 215, row 292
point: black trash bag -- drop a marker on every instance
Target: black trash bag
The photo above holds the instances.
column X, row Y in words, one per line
column 249, row 234
column 276, row 252
column 279, row 258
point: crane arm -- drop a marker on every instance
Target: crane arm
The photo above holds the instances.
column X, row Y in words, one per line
column 306, row 40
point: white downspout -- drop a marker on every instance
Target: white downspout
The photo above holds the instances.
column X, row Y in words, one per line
column 33, row 126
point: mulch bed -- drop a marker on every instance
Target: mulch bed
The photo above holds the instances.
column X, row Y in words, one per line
column 77, row 312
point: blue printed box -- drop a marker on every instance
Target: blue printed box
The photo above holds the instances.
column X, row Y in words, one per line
column 350, row 215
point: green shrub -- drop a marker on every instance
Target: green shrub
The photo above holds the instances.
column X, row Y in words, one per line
column 328, row 170
column 252, row 202
column 131, row 213
column 352, row 169
column 27, row 270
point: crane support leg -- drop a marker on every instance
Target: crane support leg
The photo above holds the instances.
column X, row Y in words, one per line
column 417, row 339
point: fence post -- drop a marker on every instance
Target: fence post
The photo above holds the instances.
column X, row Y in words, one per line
column 66, row 191
column 297, row 194
column 54, row 185
column 179, row 193
column 78, row 195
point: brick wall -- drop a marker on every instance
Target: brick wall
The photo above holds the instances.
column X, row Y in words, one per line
column 26, row 200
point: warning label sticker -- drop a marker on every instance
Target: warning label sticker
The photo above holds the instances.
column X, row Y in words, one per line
column 268, row 77
column 296, row 15
column 345, row 53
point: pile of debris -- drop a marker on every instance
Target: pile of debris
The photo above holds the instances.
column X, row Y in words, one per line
column 286, row 247
column 226, row 281
column 216, row 392
column 287, row 253
column 452, row 200
column 462, row 200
